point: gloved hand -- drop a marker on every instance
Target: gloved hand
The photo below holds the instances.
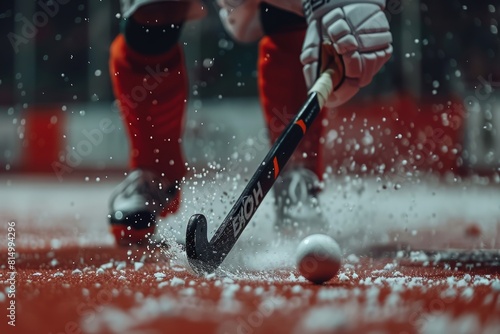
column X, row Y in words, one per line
column 359, row 32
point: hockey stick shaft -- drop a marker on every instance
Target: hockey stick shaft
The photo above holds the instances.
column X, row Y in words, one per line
column 206, row 256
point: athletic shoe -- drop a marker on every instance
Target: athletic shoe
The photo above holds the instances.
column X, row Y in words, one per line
column 298, row 212
column 137, row 202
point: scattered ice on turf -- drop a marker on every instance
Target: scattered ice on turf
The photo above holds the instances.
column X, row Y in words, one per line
column 449, row 293
column 390, row 266
column 210, row 276
column 446, row 323
column 367, row 281
column 329, row 294
column 393, row 299
column 227, row 280
column 175, row 281
column 467, row 293
column 229, row 306
column 160, row 276
column 138, row 265
column 190, row 292
column 108, row 265
column 488, row 299
column 178, row 269
column 324, row 318
column 343, row 277
column 138, row 296
column 416, row 281
column 462, row 283
column 163, row 284
column 77, row 272
column 418, row 257
column 479, row 280
column 229, row 290
column 121, row 265
column 396, row 282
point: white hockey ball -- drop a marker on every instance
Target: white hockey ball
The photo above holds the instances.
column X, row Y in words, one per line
column 318, row 258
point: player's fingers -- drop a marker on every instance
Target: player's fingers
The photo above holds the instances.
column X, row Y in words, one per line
column 312, row 38
column 310, row 59
column 346, row 44
column 353, row 65
column 337, row 25
column 375, row 22
column 344, row 93
column 310, row 54
column 370, row 68
column 371, row 63
column 330, row 59
column 374, row 41
column 382, row 57
column 364, row 28
column 310, row 73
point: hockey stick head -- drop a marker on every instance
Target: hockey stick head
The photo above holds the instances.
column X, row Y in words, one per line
column 199, row 250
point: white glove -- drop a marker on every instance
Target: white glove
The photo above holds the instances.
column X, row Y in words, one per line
column 359, row 32
column 241, row 19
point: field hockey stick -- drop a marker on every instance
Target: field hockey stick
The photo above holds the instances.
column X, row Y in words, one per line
column 207, row 256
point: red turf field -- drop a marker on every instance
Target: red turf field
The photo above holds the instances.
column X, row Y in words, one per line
column 70, row 279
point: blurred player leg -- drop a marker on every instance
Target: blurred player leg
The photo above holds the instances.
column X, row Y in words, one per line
column 149, row 81
column 282, row 93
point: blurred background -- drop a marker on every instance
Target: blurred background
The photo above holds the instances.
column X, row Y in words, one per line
column 433, row 108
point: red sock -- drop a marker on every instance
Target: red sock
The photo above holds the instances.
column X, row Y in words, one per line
column 283, row 92
column 152, row 92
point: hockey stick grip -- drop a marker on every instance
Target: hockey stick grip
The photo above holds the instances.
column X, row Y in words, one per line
column 323, row 87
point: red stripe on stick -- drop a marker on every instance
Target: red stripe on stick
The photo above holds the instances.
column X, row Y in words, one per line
column 302, row 125
column 276, row 168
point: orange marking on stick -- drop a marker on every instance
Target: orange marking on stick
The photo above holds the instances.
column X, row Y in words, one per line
column 276, row 168
column 302, row 125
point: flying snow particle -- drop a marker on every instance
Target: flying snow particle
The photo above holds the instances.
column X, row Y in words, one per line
column 208, row 63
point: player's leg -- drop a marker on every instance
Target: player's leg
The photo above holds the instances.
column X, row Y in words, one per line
column 149, row 81
column 282, row 93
